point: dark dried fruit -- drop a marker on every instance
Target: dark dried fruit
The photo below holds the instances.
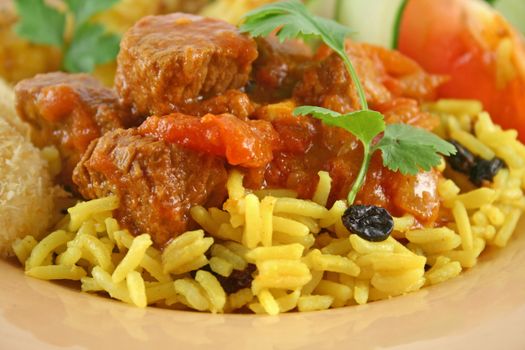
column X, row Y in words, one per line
column 463, row 160
column 485, row 170
column 479, row 170
column 369, row 222
column 237, row 280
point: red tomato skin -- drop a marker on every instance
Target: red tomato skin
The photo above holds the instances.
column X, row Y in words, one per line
column 437, row 35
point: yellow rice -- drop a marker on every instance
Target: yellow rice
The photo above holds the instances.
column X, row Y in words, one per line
column 304, row 257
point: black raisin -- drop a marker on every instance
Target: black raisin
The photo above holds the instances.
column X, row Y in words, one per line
column 236, row 281
column 368, row 222
column 205, row 268
column 463, row 161
column 485, row 170
column 478, row 169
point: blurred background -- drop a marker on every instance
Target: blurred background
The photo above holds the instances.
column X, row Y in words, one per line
column 20, row 58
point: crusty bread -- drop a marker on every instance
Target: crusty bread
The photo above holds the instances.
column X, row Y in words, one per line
column 7, row 109
column 26, row 190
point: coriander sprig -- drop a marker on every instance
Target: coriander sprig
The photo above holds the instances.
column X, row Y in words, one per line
column 295, row 21
column 404, row 148
column 90, row 44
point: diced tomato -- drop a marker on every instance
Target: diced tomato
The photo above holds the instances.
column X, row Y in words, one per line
column 57, row 102
column 476, row 47
column 245, row 143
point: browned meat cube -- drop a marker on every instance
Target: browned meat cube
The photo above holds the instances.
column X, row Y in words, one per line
column 167, row 61
column 384, row 74
column 278, row 68
column 328, row 83
column 232, row 102
column 157, row 183
column 68, row 111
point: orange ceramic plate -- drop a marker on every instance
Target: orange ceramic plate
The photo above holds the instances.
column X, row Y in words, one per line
column 484, row 308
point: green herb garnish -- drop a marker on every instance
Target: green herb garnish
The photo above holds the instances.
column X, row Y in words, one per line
column 397, row 24
column 90, row 44
column 404, row 148
column 295, row 21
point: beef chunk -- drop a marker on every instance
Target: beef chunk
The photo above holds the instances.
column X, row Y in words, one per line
column 68, row 111
column 328, row 84
column 232, row 102
column 384, row 74
column 167, row 61
column 157, row 183
column 245, row 143
column 306, row 146
column 278, row 68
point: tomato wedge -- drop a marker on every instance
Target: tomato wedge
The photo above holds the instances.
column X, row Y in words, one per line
column 476, row 47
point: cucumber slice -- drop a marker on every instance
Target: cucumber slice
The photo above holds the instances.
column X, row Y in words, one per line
column 324, row 8
column 513, row 10
column 375, row 21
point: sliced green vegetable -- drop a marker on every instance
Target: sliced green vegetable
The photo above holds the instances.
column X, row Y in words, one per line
column 397, row 24
column 323, row 8
column 375, row 21
column 513, row 10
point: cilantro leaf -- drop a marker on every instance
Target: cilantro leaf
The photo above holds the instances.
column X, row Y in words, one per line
column 85, row 9
column 408, row 149
column 364, row 124
column 318, row 112
column 404, row 148
column 91, row 45
column 40, row 23
column 294, row 21
column 408, row 158
column 291, row 19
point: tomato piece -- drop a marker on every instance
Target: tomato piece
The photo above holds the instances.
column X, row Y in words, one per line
column 476, row 47
column 245, row 143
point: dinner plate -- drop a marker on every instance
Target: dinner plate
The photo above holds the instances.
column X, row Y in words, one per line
column 484, row 308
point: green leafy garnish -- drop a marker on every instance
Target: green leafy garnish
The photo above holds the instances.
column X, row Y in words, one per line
column 293, row 20
column 40, row 23
column 404, row 148
column 397, row 24
column 365, row 124
column 90, row 44
column 408, row 149
column 83, row 10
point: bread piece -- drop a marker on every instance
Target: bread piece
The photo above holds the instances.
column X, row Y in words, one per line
column 26, row 191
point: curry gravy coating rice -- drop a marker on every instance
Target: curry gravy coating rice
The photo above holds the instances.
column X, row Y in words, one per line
column 268, row 252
